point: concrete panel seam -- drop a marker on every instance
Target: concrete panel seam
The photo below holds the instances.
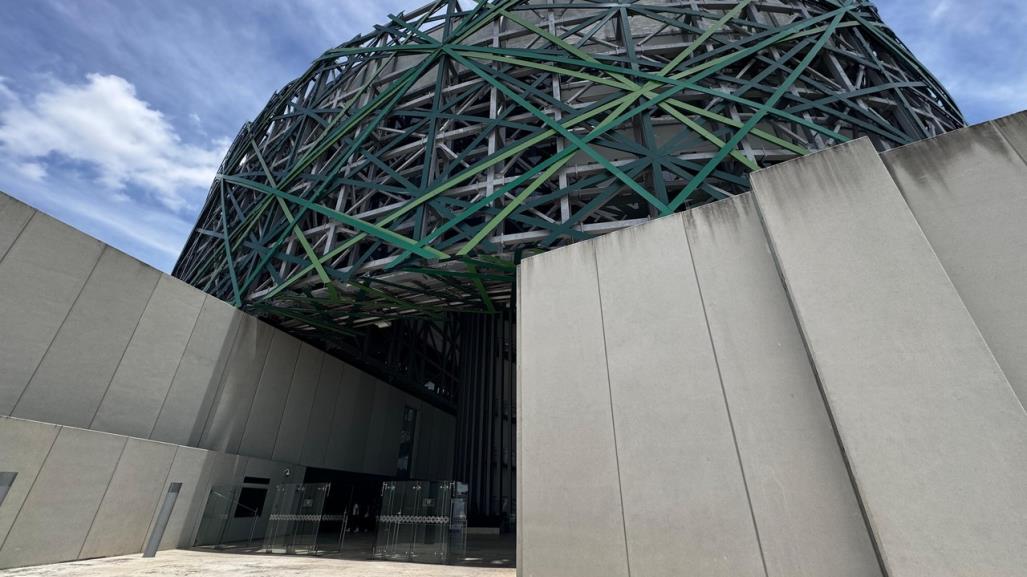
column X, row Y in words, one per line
column 306, row 431
column 31, row 486
column 234, row 330
column 99, row 504
column 331, row 421
column 948, row 277
column 613, row 419
column 122, row 358
column 60, row 326
column 281, row 416
column 1005, row 139
column 874, row 539
column 171, row 384
column 727, row 406
column 256, row 390
column 20, row 231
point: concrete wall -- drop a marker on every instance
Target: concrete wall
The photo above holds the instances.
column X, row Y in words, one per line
column 789, row 382
column 82, row 493
column 92, row 338
column 968, row 192
column 138, row 380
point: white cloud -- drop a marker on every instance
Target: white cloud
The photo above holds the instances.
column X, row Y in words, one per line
column 33, row 171
column 104, row 124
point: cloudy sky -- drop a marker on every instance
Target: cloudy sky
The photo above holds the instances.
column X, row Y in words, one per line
column 114, row 114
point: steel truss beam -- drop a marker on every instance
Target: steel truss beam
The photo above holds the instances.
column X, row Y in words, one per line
column 401, row 175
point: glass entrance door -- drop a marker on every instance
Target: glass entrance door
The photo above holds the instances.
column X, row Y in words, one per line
column 295, row 521
column 416, row 522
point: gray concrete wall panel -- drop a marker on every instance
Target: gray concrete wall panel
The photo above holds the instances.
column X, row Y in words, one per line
column 131, row 500
column 968, row 192
column 315, row 440
column 677, row 456
column 340, row 447
column 195, row 384
column 40, row 277
column 359, row 426
column 77, row 368
column 14, row 215
column 25, row 445
column 239, row 383
column 932, row 429
column 803, row 501
column 96, row 494
column 521, row 476
column 384, row 429
column 192, row 468
column 141, row 383
column 64, row 499
column 265, row 416
column 1014, row 129
column 566, row 420
column 289, row 443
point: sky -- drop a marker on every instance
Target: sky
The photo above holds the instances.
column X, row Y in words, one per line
column 114, row 114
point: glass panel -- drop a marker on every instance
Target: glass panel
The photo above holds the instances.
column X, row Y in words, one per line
column 228, row 522
column 417, row 522
column 220, row 502
column 295, row 521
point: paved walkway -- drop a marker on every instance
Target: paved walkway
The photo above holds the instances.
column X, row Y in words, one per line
column 180, row 563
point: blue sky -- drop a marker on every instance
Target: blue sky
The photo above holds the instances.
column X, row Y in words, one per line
column 114, row 114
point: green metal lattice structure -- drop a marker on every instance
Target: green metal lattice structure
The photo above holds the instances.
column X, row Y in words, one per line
column 407, row 170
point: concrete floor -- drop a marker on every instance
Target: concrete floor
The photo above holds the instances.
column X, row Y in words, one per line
column 192, row 563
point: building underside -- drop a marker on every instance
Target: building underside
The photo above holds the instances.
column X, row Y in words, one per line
column 380, row 203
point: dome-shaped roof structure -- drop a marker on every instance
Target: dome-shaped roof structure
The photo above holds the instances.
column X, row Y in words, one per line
column 408, row 169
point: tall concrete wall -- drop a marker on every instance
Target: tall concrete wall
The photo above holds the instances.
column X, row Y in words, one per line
column 935, row 436
column 92, row 338
column 802, row 502
column 968, row 191
column 116, row 360
column 569, row 507
column 797, row 381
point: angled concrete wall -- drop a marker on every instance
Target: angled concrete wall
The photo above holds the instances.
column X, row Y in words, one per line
column 92, row 338
column 133, row 359
column 90, row 343
column 82, row 493
column 652, row 311
column 802, row 501
column 968, row 192
column 818, row 378
column 570, row 512
column 41, row 275
column 935, row 436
